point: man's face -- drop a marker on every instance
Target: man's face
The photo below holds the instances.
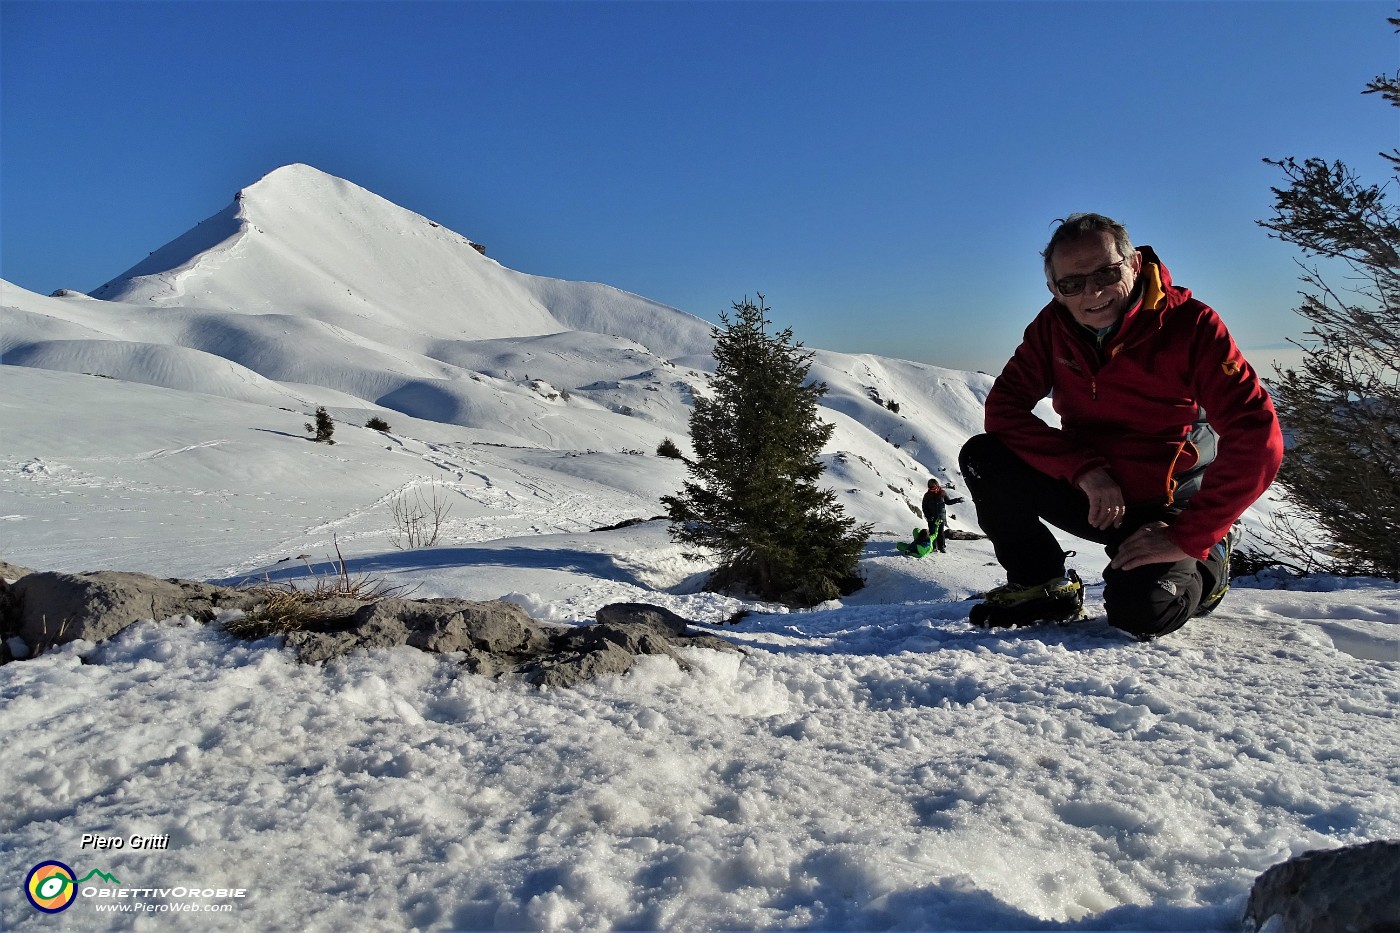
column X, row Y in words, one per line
column 1096, row 306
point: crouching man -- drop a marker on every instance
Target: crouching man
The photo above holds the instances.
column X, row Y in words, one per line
column 1166, row 437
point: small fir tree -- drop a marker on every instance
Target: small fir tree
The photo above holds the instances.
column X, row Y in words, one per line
column 668, row 448
column 1341, row 409
column 752, row 497
column 324, row 427
column 377, row 423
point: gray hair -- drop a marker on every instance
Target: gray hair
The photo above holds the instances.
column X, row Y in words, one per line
column 1078, row 226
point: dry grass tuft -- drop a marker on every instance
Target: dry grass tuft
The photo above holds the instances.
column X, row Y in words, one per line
column 286, row 608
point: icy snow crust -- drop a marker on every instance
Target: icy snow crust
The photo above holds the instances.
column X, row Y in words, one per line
column 874, row 763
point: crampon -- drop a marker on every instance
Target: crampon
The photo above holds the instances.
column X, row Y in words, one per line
column 1058, row 600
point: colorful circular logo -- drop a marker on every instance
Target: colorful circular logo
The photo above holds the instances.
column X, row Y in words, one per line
column 50, row 887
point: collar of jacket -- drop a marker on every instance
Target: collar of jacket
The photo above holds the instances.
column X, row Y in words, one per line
column 1155, row 279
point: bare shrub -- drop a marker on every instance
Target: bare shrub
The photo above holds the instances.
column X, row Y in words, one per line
column 49, row 641
column 418, row 517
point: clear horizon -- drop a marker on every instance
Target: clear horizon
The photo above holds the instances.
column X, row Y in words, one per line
column 884, row 173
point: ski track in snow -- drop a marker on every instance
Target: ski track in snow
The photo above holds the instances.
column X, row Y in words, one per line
column 528, row 502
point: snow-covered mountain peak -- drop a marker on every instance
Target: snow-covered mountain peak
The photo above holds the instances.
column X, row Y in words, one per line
column 297, row 200
column 304, row 242
column 300, row 183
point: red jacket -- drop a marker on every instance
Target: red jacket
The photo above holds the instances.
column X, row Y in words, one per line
column 1131, row 405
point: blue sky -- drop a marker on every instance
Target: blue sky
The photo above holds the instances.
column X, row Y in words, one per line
column 886, row 173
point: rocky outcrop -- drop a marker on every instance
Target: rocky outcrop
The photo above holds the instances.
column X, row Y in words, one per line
column 498, row 638
column 494, row 635
column 56, row 608
column 1355, row 889
column 42, row 609
column 11, row 572
column 611, row 645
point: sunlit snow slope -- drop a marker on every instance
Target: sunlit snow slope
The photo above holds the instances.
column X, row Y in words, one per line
column 309, row 290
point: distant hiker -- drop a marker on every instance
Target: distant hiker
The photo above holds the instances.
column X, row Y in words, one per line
column 1151, row 390
column 936, row 514
column 921, row 546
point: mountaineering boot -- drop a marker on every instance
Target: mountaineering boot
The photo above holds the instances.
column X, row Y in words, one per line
column 1217, row 565
column 1060, row 599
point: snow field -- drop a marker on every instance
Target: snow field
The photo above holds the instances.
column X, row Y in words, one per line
column 844, row 774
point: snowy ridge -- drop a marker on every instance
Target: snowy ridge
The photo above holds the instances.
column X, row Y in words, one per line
column 602, row 309
column 169, row 367
column 161, row 276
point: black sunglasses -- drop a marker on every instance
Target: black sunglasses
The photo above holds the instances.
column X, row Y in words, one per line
column 1110, row 274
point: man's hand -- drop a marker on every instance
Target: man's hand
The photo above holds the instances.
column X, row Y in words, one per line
column 1105, row 498
column 1148, row 545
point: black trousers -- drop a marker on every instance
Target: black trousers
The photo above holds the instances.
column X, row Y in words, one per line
column 940, row 540
column 1015, row 501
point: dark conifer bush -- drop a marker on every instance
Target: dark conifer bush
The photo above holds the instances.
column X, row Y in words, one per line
column 377, row 424
column 668, row 448
column 752, row 498
column 323, row 428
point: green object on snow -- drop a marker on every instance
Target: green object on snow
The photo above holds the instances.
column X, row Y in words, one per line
column 919, row 547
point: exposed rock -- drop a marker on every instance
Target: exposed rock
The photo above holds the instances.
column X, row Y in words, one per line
column 1349, row 890
column 645, row 615
column 44, row 609
column 611, row 645
column 56, row 608
column 10, row 572
column 629, row 522
column 499, row 638
column 11, row 645
column 493, row 634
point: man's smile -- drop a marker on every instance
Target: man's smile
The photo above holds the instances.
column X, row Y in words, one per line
column 1106, row 308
